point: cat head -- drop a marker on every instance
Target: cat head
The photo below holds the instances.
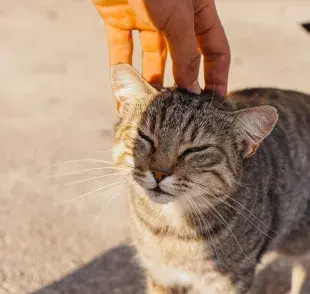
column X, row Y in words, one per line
column 179, row 146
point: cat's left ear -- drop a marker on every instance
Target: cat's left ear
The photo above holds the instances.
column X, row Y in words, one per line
column 128, row 86
column 255, row 124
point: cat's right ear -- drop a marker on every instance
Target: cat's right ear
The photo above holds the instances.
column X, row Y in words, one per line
column 254, row 125
column 128, row 86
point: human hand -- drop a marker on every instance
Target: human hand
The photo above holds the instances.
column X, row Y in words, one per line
column 190, row 27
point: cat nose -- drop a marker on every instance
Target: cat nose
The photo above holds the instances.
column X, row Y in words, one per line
column 159, row 175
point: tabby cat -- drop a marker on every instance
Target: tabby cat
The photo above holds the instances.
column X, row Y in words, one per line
column 215, row 184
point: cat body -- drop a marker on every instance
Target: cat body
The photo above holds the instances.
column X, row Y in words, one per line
column 204, row 208
column 179, row 264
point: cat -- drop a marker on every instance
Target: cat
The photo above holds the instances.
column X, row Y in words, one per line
column 215, row 184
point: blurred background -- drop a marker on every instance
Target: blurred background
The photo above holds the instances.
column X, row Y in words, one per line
column 56, row 106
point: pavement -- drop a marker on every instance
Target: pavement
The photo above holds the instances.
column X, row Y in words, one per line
column 56, row 106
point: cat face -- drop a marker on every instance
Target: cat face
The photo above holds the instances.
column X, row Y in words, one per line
column 183, row 147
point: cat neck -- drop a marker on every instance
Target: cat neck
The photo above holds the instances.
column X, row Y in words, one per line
column 237, row 212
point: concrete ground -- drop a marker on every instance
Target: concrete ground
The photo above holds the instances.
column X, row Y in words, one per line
column 56, row 106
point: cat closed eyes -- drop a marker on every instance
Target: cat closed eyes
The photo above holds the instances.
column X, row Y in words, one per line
column 216, row 184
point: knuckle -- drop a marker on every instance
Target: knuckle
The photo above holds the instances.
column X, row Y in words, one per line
column 188, row 63
column 193, row 62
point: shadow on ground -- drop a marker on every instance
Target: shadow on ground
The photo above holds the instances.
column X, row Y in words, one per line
column 115, row 272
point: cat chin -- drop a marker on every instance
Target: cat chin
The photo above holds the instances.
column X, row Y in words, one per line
column 160, row 198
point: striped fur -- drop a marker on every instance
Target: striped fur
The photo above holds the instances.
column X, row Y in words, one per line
column 220, row 210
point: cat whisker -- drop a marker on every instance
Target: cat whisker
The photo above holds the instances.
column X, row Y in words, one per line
column 84, row 160
column 112, row 198
column 213, row 93
column 228, row 227
column 218, row 241
column 252, row 214
column 114, row 188
column 206, row 223
column 238, row 183
column 91, row 192
column 191, row 220
column 237, row 210
column 190, row 203
column 199, row 196
column 89, row 179
column 244, row 186
column 85, row 170
column 104, row 151
column 118, row 186
column 217, row 108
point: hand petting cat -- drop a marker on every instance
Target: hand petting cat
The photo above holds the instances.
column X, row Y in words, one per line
column 191, row 28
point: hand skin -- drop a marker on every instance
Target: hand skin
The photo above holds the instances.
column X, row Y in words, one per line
column 191, row 28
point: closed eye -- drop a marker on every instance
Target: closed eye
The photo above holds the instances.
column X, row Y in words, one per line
column 195, row 150
column 146, row 138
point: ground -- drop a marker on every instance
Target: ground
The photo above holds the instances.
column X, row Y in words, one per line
column 56, row 105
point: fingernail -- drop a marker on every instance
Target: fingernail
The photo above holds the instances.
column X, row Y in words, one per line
column 195, row 88
column 221, row 90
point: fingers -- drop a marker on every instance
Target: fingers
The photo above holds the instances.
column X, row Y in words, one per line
column 154, row 55
column 154, row 49
column 183, row 23
column 175, row 18
column 123, row 15
column 213, row 45
column 140, row 9
column 120, row 45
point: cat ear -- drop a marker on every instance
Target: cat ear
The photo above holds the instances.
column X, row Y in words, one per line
column 128, row 86
column 256, row 124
